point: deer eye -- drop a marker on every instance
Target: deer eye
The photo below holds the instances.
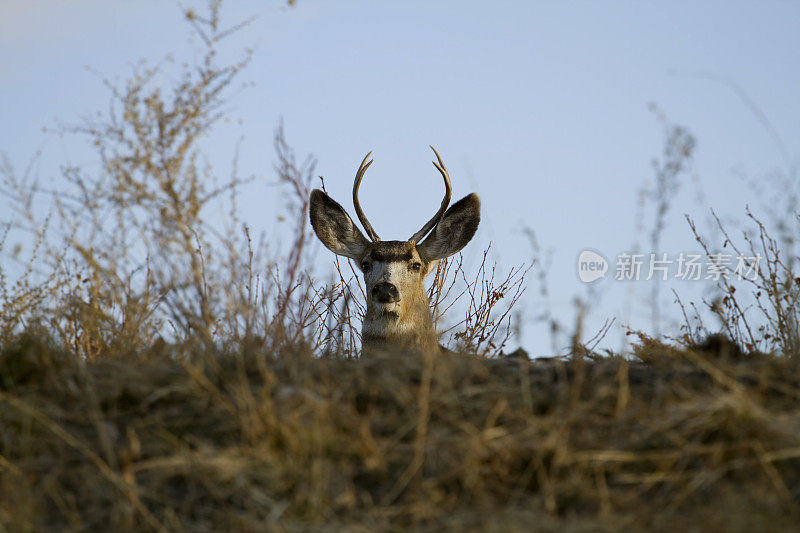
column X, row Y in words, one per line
column 366, row 265
column 416, row 266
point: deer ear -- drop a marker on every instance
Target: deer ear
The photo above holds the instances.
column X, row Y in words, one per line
column 454, row 230
column 334, row 227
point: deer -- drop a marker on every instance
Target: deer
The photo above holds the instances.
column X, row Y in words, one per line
column 398, row 315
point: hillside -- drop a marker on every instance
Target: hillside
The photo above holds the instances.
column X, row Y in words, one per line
column 186, row 438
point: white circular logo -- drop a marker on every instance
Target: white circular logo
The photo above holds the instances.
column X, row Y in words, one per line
column 591, row 266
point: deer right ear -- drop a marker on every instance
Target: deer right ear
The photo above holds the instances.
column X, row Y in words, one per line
column 334, row 227
column 454, row 230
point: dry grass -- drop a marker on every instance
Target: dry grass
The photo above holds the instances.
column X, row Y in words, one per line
column 181, row 438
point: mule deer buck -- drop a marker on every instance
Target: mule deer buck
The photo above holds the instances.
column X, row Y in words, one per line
column 398, row 314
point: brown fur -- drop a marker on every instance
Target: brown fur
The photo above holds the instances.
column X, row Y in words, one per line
column 410, row 324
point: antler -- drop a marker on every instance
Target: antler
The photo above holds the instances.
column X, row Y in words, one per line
column 364, row 222
column 448, row 191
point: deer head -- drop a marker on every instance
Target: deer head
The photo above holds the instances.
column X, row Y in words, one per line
column 398, row 314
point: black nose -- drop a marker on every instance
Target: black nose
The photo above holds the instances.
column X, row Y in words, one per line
column 385, row 293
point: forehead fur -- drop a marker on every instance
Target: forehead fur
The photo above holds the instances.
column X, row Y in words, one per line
column 389, row 251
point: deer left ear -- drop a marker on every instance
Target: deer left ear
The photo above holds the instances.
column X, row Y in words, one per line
column 334, row 227
column 454, row 230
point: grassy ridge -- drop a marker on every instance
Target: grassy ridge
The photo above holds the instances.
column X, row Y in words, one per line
column 183, row 438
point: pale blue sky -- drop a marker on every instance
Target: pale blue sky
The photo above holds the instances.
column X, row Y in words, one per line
column 540, row 107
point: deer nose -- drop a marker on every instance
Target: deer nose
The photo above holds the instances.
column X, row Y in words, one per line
column 385, row 293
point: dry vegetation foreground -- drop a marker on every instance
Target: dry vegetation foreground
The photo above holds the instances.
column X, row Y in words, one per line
column 181, row 438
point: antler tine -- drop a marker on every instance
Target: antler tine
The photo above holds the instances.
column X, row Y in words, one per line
column 448, row 191
column 356, row 184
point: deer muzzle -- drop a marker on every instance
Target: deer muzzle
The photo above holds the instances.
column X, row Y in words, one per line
column 385, row 293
